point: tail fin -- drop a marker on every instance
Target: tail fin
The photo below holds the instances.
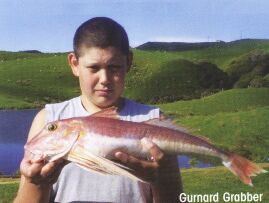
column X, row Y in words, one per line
column 242, row 167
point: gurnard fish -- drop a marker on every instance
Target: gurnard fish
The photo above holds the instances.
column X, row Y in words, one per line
column 92, row 141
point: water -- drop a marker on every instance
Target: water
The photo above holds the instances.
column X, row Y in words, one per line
column 14, row 127
column 183, row 162
column 10, row 157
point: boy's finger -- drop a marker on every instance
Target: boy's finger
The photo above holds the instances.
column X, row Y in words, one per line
column 32, row 170
column 156, row 153
column 53, row 177
column 134, row 162
column 154, row 150
column 50, row 167
column 122, row 157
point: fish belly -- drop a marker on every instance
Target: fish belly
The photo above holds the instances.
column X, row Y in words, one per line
column 106, row 146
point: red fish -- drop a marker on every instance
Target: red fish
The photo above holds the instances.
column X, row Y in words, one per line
column 91, row 142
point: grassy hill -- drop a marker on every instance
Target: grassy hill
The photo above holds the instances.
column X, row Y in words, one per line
column 174, row 75
column 249, row 69
column 33, row 81
column 30, row 80
column 234, row 100
column 223, row 54
column 175, row 80
column 24, row 55
column 235, row 119
column 177, row 46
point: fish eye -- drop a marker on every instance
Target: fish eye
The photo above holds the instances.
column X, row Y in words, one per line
column 52, row 127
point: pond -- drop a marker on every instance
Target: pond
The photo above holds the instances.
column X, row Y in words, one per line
column 14, row 127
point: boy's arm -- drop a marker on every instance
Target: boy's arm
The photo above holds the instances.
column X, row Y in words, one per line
column 37, row 177
column 168, row 185
column 162, row 172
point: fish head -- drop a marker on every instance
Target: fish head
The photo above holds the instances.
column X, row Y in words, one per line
column 54, row 141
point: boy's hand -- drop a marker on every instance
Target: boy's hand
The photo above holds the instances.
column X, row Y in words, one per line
column 41, row 173
column 161, row 171
column 148, row 170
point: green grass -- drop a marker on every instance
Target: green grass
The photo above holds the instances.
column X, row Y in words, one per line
column 219, row 55
column 8, row 189
column 150, row 77
column 220, row 180
column 6, row 55
column 170, row 79
column 35, row 81
column 244, row 132
column 30, row 80
column 236, row 120
column 195, row 181
column 223, row 56
column 226, row 101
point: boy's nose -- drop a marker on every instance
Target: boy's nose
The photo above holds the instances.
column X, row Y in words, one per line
column 104, row 76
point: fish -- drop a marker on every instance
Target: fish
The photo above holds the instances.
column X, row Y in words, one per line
column 91, row 142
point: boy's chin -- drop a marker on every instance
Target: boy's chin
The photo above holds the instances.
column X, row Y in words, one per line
column 105, row 102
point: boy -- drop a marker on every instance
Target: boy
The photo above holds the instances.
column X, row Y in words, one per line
column 101, row 60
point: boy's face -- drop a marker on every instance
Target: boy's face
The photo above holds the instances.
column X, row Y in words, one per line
column 101, row 73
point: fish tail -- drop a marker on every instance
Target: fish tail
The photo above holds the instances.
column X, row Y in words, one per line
column 242, row 167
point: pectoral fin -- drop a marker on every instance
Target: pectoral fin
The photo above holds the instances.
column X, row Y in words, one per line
column 99, row 164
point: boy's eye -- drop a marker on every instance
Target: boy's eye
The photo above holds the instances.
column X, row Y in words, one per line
column 115, row 67
column 93, row 68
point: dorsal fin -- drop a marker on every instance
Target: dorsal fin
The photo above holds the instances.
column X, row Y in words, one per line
column 169, row 123
column 166, row 122
column 111, row 112
column 204, row 138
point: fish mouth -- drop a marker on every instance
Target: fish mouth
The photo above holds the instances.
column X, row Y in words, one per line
column 54, row 154
column 36, row 155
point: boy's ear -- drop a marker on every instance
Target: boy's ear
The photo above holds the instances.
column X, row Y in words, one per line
column 73, row 63
column 129, row 60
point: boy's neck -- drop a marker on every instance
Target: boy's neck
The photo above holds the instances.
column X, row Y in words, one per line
column 92, row 108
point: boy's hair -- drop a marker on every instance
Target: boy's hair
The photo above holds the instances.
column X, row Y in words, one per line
column 100, row 32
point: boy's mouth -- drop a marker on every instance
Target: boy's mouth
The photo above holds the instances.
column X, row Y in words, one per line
column 103, row 92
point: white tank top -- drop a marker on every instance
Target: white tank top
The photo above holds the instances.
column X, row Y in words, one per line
column 78, row 185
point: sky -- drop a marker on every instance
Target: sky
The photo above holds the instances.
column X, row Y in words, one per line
column 49, row 25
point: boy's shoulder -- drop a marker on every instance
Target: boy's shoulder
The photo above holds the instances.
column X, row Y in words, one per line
column 139, row 112
column 130, row 110
column 63, row 104
column 66, row 109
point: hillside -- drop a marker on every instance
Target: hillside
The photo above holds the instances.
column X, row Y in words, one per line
column 176, row 80
column 178, row 46
column 187, row 46
column 234, row 100
column 170, row 75
column 249, row 70
column 30, row 80
column 23, row 55
column 224, row 54
column 234, row 119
